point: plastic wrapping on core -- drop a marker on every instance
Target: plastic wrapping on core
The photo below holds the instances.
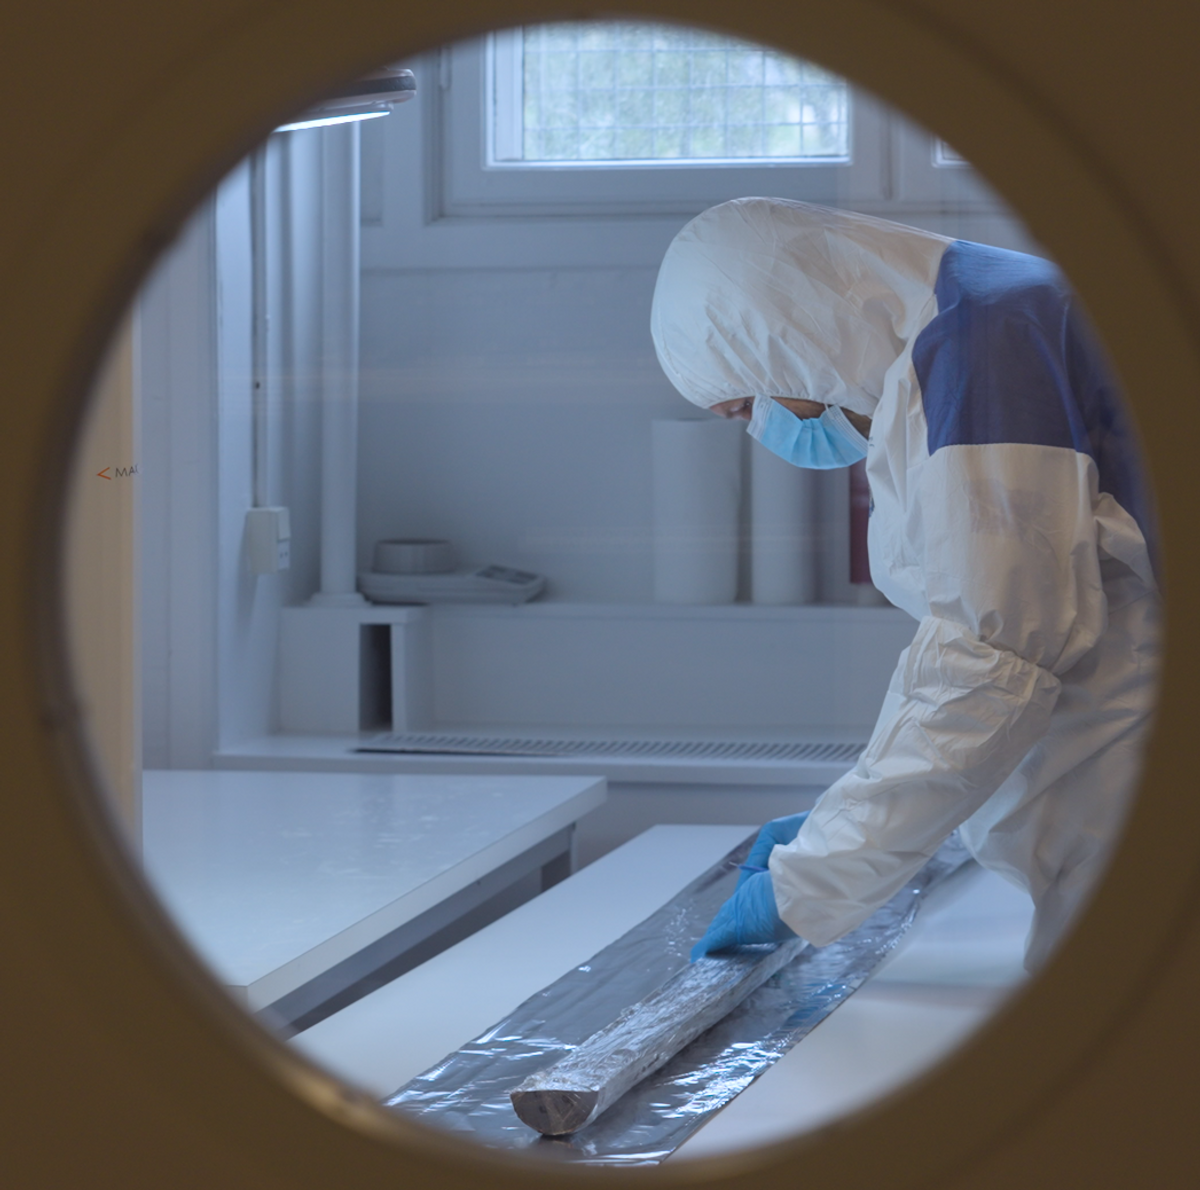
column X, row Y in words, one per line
column 467, row 1092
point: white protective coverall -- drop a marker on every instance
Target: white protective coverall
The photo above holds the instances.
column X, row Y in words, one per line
column 1009, row 517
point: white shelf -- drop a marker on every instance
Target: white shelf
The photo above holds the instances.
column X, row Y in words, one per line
column 733, row 671
column 551, row 609
column 750, row 612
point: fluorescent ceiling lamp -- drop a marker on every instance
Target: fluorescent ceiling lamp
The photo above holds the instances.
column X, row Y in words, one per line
column 363, row 99
column 325, row 121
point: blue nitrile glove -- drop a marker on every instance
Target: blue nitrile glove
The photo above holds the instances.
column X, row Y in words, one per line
column 748, row 917
column 777, row 831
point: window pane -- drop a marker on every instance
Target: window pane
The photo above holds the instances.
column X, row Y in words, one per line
column 625, row 91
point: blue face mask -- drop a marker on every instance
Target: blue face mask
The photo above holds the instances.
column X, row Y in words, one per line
column 821, row 442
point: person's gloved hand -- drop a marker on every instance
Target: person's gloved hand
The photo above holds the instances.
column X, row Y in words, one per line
column 777, row 831
column 748, row 917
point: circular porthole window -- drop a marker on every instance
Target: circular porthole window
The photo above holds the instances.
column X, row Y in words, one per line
column 444, row 652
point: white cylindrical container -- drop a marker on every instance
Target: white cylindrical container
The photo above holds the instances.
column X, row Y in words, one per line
column 697, row 489
column 782, row 530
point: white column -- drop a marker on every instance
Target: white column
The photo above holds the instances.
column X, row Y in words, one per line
column 339, row 364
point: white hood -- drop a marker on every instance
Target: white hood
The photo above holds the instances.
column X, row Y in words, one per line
column 765, row 296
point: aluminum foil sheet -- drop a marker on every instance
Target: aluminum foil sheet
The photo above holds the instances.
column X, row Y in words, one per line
column 467, row 1092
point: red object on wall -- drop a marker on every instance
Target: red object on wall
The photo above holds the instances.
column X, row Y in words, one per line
column 860, row 513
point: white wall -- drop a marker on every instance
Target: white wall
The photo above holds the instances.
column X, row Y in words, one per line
column 509, row 379
column 210, row 626
column 509, row 410
column 508, row 386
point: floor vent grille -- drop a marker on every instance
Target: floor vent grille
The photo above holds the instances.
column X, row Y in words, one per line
column 439, row 744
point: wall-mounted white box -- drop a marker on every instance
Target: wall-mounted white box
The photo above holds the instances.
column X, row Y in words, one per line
column 268, row 540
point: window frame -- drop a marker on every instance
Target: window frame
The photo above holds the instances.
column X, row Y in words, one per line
column 467, row 185
column 418, row 214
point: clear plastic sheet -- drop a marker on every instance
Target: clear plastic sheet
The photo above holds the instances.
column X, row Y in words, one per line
column 467, row 1092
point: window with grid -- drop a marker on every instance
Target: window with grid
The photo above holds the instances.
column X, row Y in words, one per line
column 597, row 93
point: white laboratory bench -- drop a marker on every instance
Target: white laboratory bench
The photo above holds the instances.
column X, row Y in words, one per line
column 295, row 886
column 960, row 959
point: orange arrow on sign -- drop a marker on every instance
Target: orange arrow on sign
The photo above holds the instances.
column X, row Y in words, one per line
column 102, row 475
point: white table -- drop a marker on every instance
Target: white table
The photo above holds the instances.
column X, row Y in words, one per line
column 961, row 958
column 293, row 886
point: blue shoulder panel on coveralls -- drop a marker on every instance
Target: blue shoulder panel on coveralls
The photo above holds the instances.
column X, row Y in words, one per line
column 1008, row 358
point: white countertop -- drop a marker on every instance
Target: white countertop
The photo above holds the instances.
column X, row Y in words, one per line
column 459, row 993
column 960, row 959
column 276, row 876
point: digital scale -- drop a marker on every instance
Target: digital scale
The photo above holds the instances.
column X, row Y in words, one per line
column 425, row 570
column 482, row 584
column 487, row 584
